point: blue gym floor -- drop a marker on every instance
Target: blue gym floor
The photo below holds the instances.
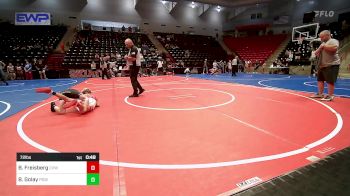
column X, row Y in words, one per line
column 20, row 94
column 292, row 82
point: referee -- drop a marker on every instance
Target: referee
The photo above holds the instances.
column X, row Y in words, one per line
column 133, row 61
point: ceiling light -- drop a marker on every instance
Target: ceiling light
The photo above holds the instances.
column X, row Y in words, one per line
column 218, row 8
column 163, row 2
column 193, row 5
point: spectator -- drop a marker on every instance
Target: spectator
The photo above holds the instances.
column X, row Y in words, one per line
column 187, row 72
column 11, row 71
column 2, row 74
column 313, row 61
column 215, row 68
column 205, row 66
column 19, row 72
column 234, row 66
column 28, row 70
column 41, row 69
column 105, row 69
column 94, row 72
column 159, row 65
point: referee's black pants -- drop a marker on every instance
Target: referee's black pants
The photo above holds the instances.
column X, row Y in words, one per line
column 134, row 71
column 234, row 69
column 104, row 73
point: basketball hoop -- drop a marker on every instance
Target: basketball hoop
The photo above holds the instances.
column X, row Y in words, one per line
column 305, row 32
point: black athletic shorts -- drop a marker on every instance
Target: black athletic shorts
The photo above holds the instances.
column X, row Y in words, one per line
column 71, row 93
column 328, row 74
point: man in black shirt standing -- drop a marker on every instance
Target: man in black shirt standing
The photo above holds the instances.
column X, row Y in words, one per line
column 133, row 61
column 2, row 74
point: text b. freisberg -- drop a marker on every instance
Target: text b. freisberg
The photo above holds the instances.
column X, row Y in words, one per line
column 36, row 167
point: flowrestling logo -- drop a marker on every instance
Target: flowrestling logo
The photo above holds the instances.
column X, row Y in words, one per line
column 33, row 18
column 323, row 13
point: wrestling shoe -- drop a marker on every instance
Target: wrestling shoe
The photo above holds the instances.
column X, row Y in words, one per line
column 317, row 96
column 47, row 90
column 141, row 91
column 53, row 106
column 134, row 95
column 327, row 98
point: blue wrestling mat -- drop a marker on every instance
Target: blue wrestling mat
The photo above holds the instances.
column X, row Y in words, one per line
column 291, row 82
column 20, row 94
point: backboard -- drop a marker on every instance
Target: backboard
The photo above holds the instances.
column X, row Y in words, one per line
column 307, row 32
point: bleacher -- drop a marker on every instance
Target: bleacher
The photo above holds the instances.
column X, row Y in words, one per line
column 89, row 43
column 301, row 53
column 28, row 42
column 192, row 49
column 257, row 48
